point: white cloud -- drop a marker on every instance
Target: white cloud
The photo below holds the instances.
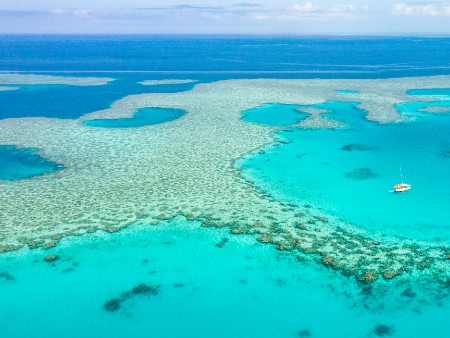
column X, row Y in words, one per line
column 79, row 13
column 307, row 7
column 426, row 9
column 251, row 11
column 309, row 10
column 254, row 11
column 84, row 13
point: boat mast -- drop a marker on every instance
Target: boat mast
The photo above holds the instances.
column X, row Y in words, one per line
column 401, row 174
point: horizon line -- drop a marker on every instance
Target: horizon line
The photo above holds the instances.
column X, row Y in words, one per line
column 412, row 34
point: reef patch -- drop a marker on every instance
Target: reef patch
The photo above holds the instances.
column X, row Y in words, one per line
column 383, row 330
column 142, row 289
column 31, row 79
column 361, row 174
column 187, row 168
column 6, row 276
column 444, row 154
column 166, row 82
column 304, row 333
column 356, row 146
column 143, row 117
column 222, row 242
column 4, row 89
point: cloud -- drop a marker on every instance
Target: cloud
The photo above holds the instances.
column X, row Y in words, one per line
column 306, row 7
column 244, row 10
column 192, row 7
column 244, row 14
column 78, row 13
column 247, row 4
column 259, row 12
column 21, row 14
column 312, row 11
column 425, row 9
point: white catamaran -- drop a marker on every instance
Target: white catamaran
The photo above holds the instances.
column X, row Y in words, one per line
column 401, row 187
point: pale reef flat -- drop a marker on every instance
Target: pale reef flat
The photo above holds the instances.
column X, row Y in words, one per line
column 32, row 79
column 115, row 178
column 165, row 82
column 8, row 88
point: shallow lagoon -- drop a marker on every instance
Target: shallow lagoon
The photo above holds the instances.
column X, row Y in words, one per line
column 274, row 114
column 348, row 172
column 210, row 284
column 198, row 270
column 17, row 164
column 143, row 117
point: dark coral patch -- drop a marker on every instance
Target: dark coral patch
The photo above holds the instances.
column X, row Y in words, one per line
column 68, row 270
column 143, row 289
column 139, row 290
column 383, row 330
column 222, row 242
column 361, row 174
column 51, row 258
column 112, row 305
column 356, row 146
column 445, row 154
column 304, row 333
column 409, row 293
column 6, row 276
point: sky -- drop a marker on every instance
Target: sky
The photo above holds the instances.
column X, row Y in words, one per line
column 261, row 17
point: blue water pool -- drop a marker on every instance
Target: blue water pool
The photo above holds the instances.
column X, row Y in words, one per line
column 274, row 114
column 347, row 91
column 348, row 172
column 142, row 117
column 17, row 164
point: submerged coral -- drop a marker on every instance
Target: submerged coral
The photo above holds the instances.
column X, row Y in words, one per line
column 186, row 168
column 31, row 79
column 356, row 146
column 115, row 304
column 361, row 174
column 383, row 330
column 6, row 276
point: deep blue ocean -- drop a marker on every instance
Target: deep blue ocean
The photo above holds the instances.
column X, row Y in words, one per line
column 131, row 59
column 206, row 282
column 230, row 56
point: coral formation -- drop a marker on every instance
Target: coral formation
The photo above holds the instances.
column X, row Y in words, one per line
column 142, row 289
column 186, row 168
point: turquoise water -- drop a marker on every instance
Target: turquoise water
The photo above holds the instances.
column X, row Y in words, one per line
column 210, row 284
column 444, row 92
column 442, row 96
column 143, row 117
column 347, row 91
column 274, row 114
column 348, row 172
column 17, row 164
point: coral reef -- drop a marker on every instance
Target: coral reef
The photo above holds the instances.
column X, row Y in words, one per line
column 361, row 174
column 51, row 258
column 31, row 79
column 383, row 330
column 142, row 289
column 165, row 82
column 186, row 168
